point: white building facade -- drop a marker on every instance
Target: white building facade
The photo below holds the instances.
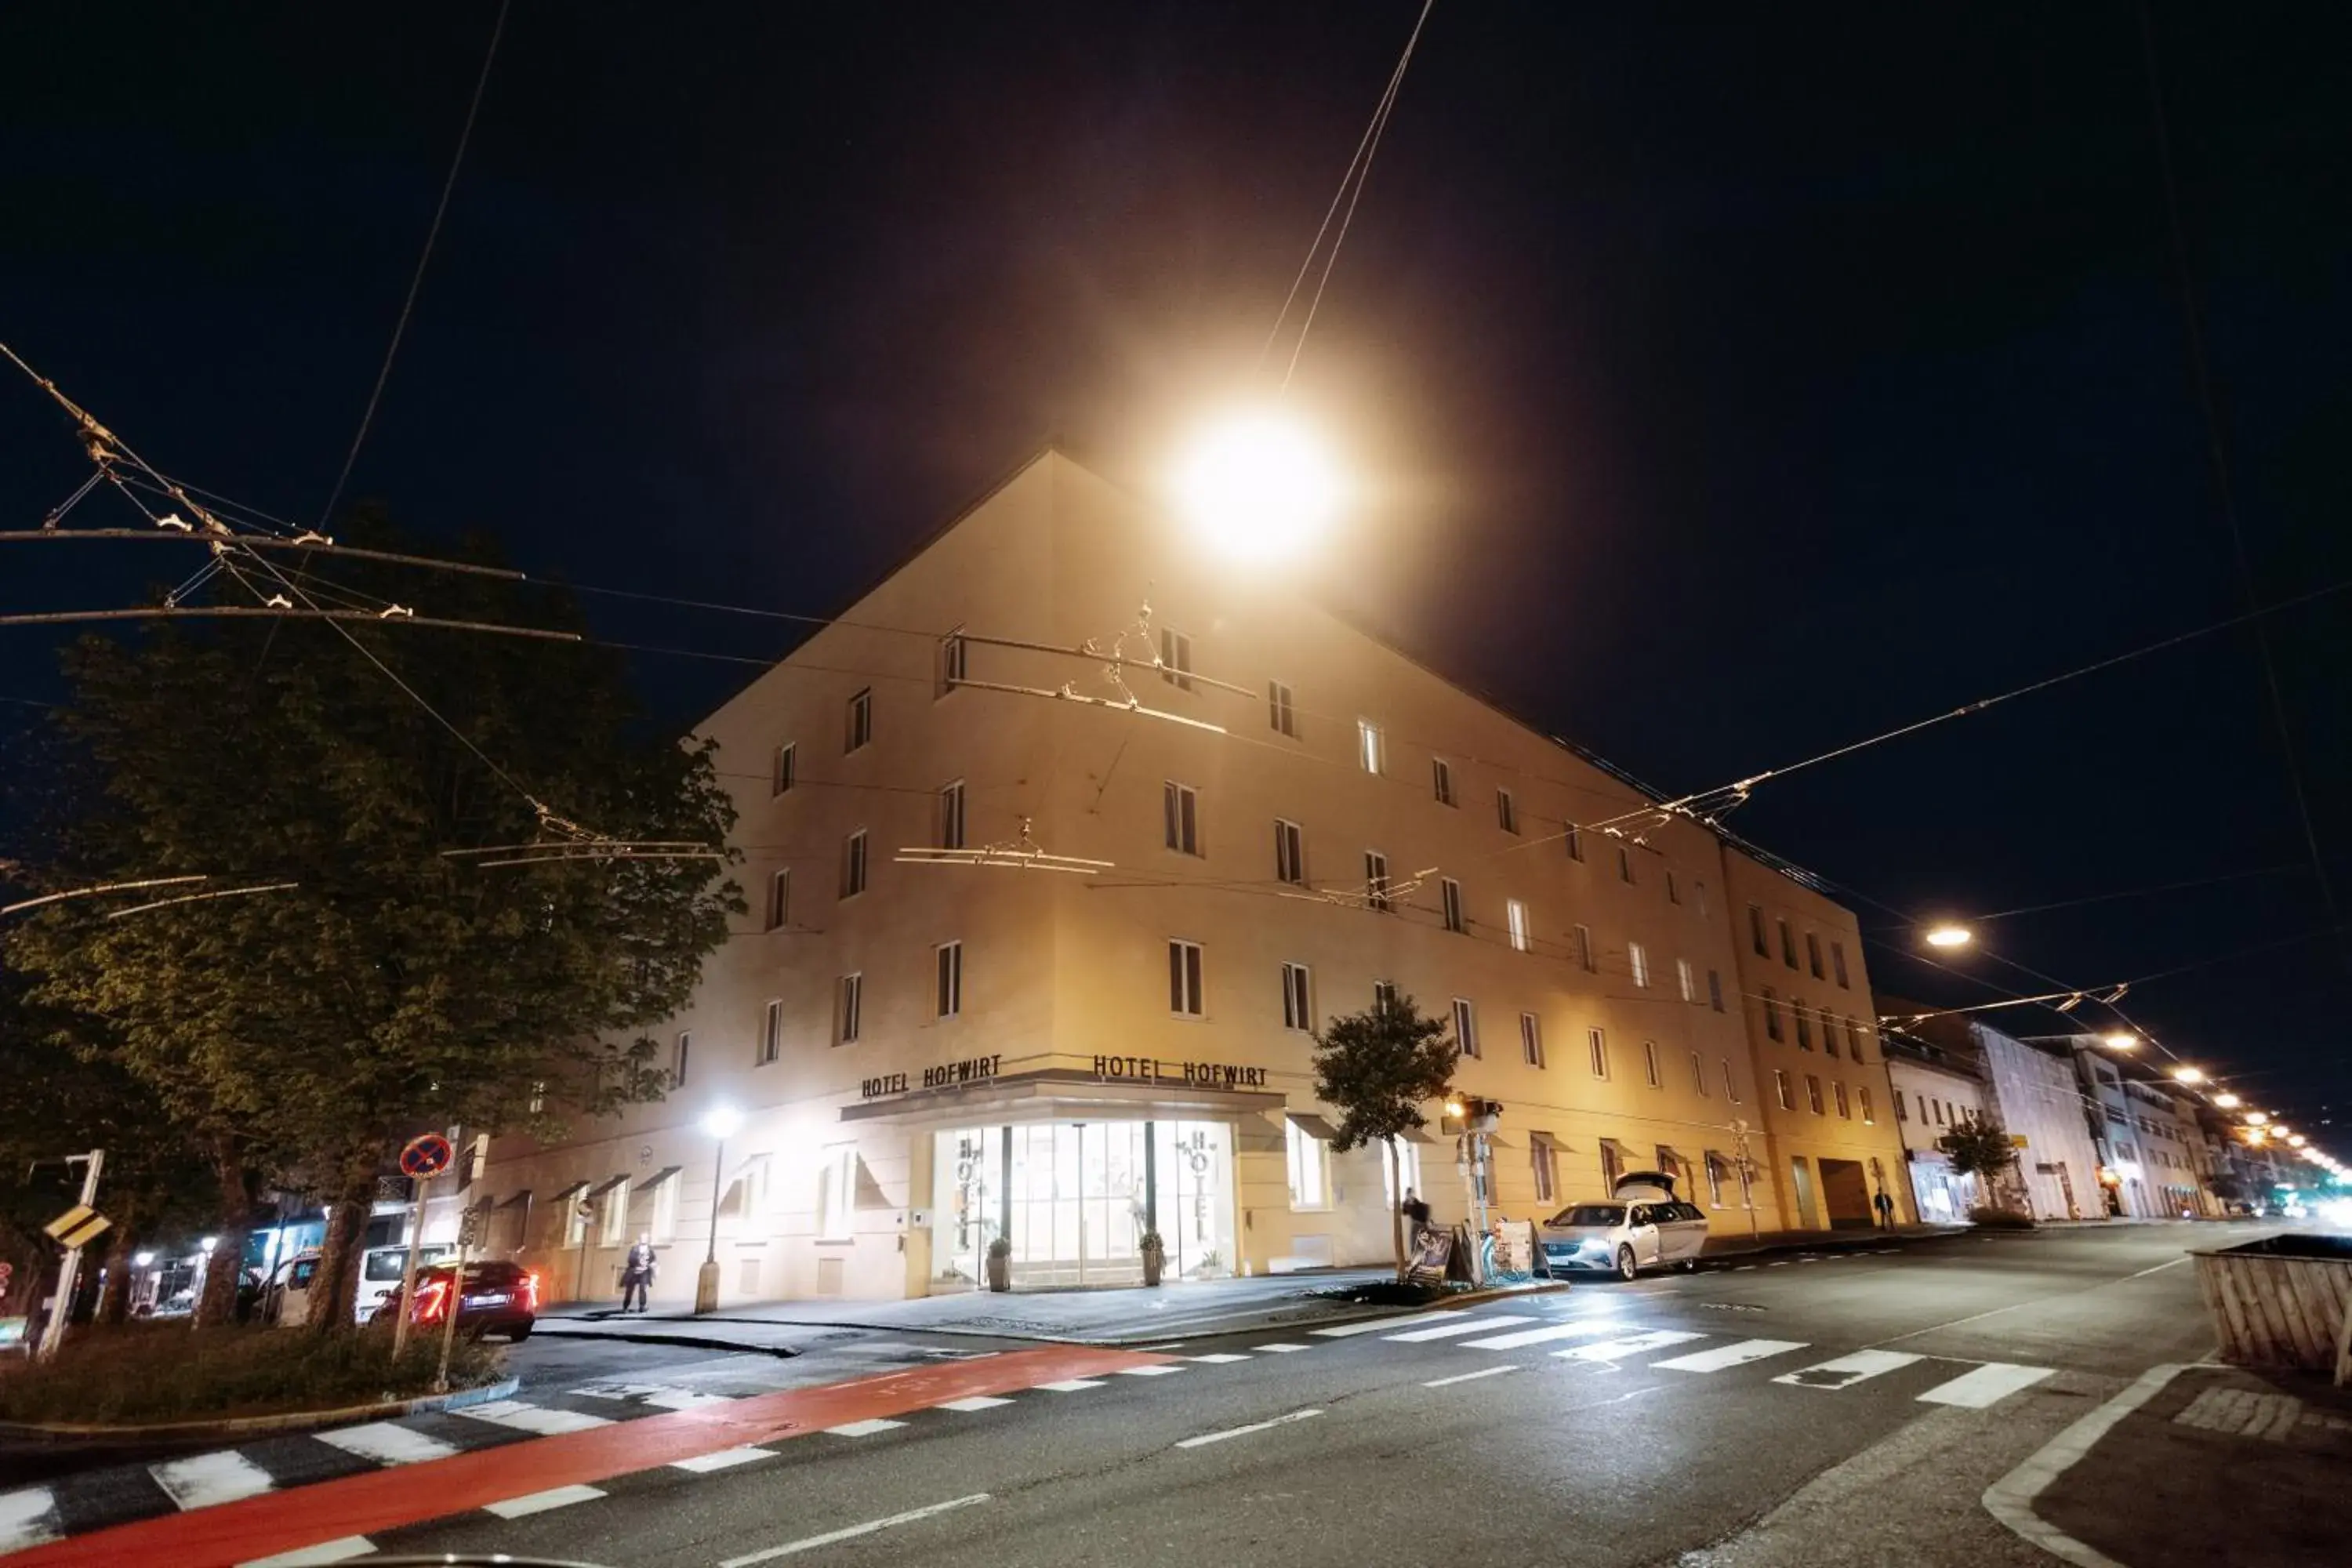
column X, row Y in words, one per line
column 1929, row 1098
column 2041, row 1104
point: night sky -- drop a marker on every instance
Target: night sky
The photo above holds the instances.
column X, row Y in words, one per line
column 1728, row 382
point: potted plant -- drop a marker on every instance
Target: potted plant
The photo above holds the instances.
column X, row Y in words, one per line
column 1155, row 1257
column 1000, row 1264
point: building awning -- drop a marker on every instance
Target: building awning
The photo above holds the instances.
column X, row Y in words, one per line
column 1667, row 1156
column 521, row 1197
column 1059, row 1094
column 1314, row 1126
column 606, row 1185
column 572, row 1191
column 659, row 1177
column 1415, row 1135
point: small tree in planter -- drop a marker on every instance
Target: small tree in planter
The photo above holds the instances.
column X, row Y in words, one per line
column 1979, row 1146
column 1000, row 1264
column 1377, row 1069
column 1155, row 1256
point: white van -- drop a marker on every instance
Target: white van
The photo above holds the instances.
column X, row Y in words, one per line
column 286, row 1298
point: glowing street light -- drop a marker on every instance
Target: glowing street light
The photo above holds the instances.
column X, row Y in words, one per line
column 1949, row 936
column 2257, row 1117
column 2256, row 1135
column 2120, row 1041
column 2187, row 1075
column 2226, row 1100
column 2296, row 1141
column 719, row 1124
column 1258, row 484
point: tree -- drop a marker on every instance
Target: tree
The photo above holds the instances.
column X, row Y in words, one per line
column 1979, row 1146
column 311, row 1029
column 1377, row 1069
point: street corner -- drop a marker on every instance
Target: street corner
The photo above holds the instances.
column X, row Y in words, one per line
column 2222, row 1464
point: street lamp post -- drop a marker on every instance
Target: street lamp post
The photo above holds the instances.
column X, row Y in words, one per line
column 719, row 1124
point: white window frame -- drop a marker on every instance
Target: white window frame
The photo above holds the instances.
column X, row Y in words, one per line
column 1308, row 1162
column 1187, row 979
column 1652, row 1069
column 1586, row 958
column 1844, row 1104
column 947, row 973
column 1543, row 1166
column 1685, row 980
column 1180, row 818
column 1783, row 1090
column 1531, row 1050
column 665, row 1209
column 613, row 1219
column 1376, row 882
column 681, row 1058
column 1449, row 901
column 1596, row 1051
column 1638, row 957
column 952, row 663
column 781, row 769
column 849, row 1007
column 1440, row 781
column 852, row 863
column 771, row 1032
column 1506, row 812
column 1384, row 996
column 1869, row 1111
column 1407, row 1165
column 952, row 815
column 1289, row 852
column 1281, row 710
column 1371, row 747
column 836, row 1194
column 779, row 898
column 857, row 723
column 1515, row 919
column 1698, row 1073
column 1465, row 1026
column 1176, row 657
column 1625, row 865
column 1573, row 836
column 1298, row 998
column 1813, row 1100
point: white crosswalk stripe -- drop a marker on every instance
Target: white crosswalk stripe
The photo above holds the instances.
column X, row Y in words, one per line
column 527, row 1417
column 342, row 1548
column 1281, row 1349
column 207, row 1480
column 1632, row 1344
column 1344, row 1331
column 865, row 1428
column 1156, row 1370
column 28, row 1517
column 1848, row 1370
column 1986, row 1385
column 972, row 1404
column 387, row 1443
column 1069, row 1384
column 540, row 1502
column 1217, row 1358
column 724, row 1459
column 1730, row 1356
column 1544, row 1336
column 1454, row 1329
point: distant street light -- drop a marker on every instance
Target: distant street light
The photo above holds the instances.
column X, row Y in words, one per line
column 2119, row 1041
column 719, row 1124
column 1258, row 484
column 1949, row 936
column 2187, row 1075
column 2296, row 1141
column 2226, row 1100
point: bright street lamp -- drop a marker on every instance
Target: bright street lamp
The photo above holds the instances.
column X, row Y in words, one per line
column 2187, row 1075
column 1949, row 936
column 2296, row 1141
column 719, row 1124
column 141, row 1259
column 1258, row 484
column 2119, row 1041
column 2257, row 1117
column 2226, row 1100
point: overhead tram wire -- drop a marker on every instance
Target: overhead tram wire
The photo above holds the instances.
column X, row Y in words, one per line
column 2278, row 870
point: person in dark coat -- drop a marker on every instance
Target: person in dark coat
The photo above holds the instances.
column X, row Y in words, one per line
column 637, row 1273
column 1416, row 1216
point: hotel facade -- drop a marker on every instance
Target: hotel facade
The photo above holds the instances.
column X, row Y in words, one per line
column 1286, row 820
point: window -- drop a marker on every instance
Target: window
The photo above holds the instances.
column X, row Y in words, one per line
column 852, row 1004
column 1407, row 1163
column 1639, row 956
column 576, row 1220
column 1714, row 1179
column 1465, row 1026
column 1650, row 1065
column 1184, row 978
column 1731, row 1084
column 771, row 1032
column 1440, row 781
column 1376, row 880
column 1372, row 746
column 1176, row 658
column 1868, row 1115
column 680, row 1053
column 1625, row 864
column 1585, row 959
column 1573, row 836
column 779, row 898
column 1715, row 990
column 1684, row 981
column 1837, row 1089
column 1939, row 1114
column 1771, row 1013
column 1698, row 1074
column 1289, row 851
column 1837, row 962
column 1902, row 1111
column 1788, row 943
column 1813, row 1093
column 1828, row 1033
column 951, row 816
column 1531, row 1039
column 1281, row 712
column 948, row 967
column 1181, row 808
column 1804, row 1024
column 780, row 771
column 1612, row 1162
column 1507, row 811
column 538, row 1101
column 857, row 721
column 1297, row 1009
column 1596, row 1046
column 1756, row 931
column 1515, row 915
column 1780, row 1088
column 614, row 1221
column 1540, row 1156
column 1449, row 892
column 1309, row 1190
column 1698, row 895
column 837, row 1191
column 951, row 663
column 852, row 863
column 1852, row 1038
column 1384, row 995
column 665, row 1226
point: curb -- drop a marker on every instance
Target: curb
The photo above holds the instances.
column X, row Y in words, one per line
column 551, row 1329
column 249, row 1426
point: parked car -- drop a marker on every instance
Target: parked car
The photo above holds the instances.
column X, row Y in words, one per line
column 498, row 1298
column 1643, row 1226
column 286, row 1299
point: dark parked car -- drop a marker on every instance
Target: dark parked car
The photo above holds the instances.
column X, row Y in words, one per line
column 498, row 1298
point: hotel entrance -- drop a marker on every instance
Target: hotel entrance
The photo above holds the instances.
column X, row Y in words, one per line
column 1075, row 1199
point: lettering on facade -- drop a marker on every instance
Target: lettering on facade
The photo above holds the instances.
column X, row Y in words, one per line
column 1191, row 1075
column 947, row 1075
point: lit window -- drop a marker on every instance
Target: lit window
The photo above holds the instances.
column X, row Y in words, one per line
column 538, row 1101
column 1307, row 1156
column 1449, row 893
column 1715, row 990
column 951, row 816
column 1596, row 1046
column 1372, row 746
column 1531, row 1039
column 679, row 1055
column 1684, row 981
column 852, row 863
column 1814, row 955
column 1585, row 958
column 1465, row 1026
column 948, row 963
column 1181, row 808
column 1515, row 915
column 1406, row 1164
column 1868, row 1115
column 1289, row 852
column 1639, row 956
column 853, row 999
column 1384, row 997
column 779, row 900
column 858, row 721
column 1176, row 659
column 1297, row 1010
column 1814, row 1094
column 1376, row 880
column 1837, row 962
column 1780, row 1089
column 1184, row 979
column 1440, row 781
column 952, row 650
column 1650, row 1065
column 837, row 1191
column 1539, row 1152
column 1771, row 1013
column 1507, row 811
column 771, row 1032
column 780, row 771
column 1281, row 712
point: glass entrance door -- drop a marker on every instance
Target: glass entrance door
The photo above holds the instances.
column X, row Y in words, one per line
column 966, row 1205
column 1195, row 1161
column 1077, row 1203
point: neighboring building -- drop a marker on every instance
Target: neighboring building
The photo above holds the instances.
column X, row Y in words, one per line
column 1933, row 1090
column 1827, row 1099
column 931, row 1057
column 2034, row 1094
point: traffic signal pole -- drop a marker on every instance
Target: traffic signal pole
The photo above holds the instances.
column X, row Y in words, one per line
column 53, row 1333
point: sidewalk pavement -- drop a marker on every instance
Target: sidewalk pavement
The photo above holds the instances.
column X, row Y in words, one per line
column 1736, row 1244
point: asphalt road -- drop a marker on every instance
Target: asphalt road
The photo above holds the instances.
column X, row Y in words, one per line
column 1829, row 1410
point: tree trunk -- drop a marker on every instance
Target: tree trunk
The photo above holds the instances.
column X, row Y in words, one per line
column 114, row 1294
column 336, row 1288
column 1396, row 1208
column 218, row 1305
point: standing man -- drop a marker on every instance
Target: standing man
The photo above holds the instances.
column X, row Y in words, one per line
column 638, row 1272
column 1416, row 1217
column 1885, row 1206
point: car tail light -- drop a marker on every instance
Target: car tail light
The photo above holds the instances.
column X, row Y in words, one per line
column 530, row 1292
column 431, row 1296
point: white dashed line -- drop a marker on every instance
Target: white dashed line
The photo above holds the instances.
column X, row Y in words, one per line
column 1218, row 1358
column 725, row 1459
column 1539, row 1336
column 865, row 1428
column 1205, row 1438
column 341, row 1550
column 1986, row 1385
column 1281, row 1349
column 1470, row 1377
column 1723, row 1356
column 1848, row 1370
column 536, row 1418
column 1460, row 1326
column 972, row 1403
column 28, row 1517
column 1157, row 1371
column 1632, row 1344
column 792, row 1548
column 1379, row 1324
column 540, row 1502
column 1069, row 1384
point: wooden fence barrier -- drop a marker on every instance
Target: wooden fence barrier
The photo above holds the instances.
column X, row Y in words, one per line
column 2283, row 1302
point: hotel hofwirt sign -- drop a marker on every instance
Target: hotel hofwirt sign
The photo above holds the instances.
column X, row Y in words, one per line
column 947, row 1075
column 1188, row 1075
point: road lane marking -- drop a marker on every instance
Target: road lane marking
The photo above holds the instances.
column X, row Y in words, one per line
column 1161, row 1370
column 1449, row 1331
column 1217, row 1358
column 2010, row 1498
column 686, row 1399
column 1848, row 1370
column 1068, row 1384
column 1633, row 1344
column 540, row 1502
column 525, row 1418
column 1986, row 1385
column 341, row 1550
column 1376, row 1325
column 725, row 1459
column 1469, row 1376
column 1279, row 1348
column 388, row 1444
column 2038, row 1302
column 1738, row 1354
column 1205, row 1438
column 28, row 1518
column 1537, row 1336
column 792, row 1548
column 210, row 1478
column 977, row 1402
column 865, row 1428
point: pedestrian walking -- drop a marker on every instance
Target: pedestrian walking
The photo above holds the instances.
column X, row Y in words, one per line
column 1416, row 1216
column 1885, row 1206
column 637, row 1273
